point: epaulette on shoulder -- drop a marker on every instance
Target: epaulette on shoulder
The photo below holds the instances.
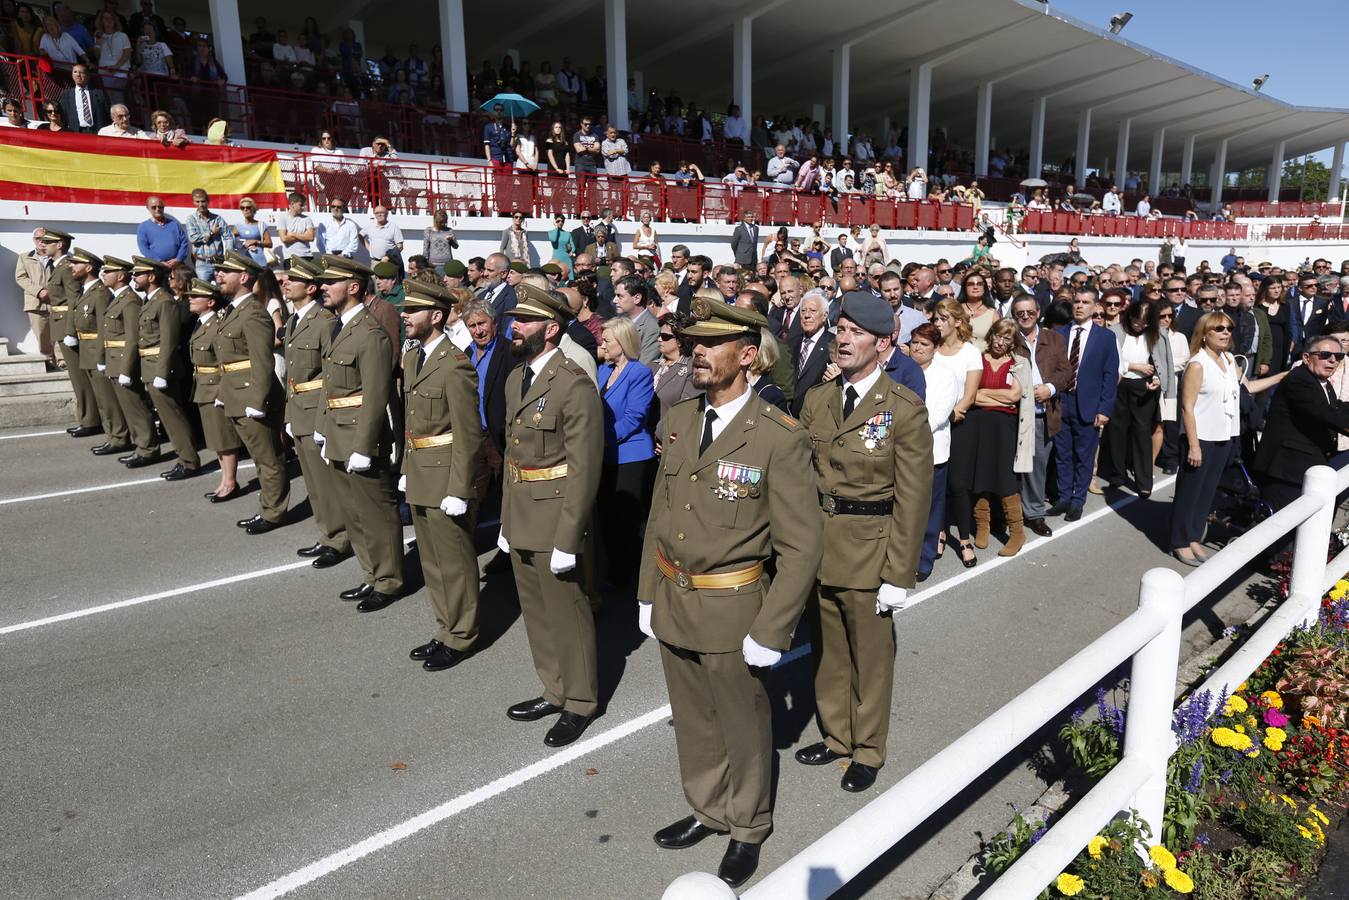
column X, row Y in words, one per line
column 908, row 394
column 773, row 414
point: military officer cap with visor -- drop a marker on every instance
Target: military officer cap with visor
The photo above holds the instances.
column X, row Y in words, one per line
column 339, row 268
column 534, row 303
column 204, row 289
column 302, row 269
column 235, row 261
column 716, row 318
column 141, row 265
column 419, row 295
column 116, row 264
column 79, row 254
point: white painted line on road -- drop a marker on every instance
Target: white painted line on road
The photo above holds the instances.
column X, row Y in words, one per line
column 93, row 488
column 379, row 841
column 31, row 434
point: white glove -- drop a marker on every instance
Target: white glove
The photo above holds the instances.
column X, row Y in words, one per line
column 289, row 432
column 402, row 484
column 644, row 619
column 502, row 544
column 124, row 380
column 892, row 599
column 561, row 562
column 253, row 413
column 358, row 462
column 323, row 453
column 70, row 340
column 318, row 438
column 159, row 384
column 451, row 506
column 220, row 404
column 101, row 367
column 758, row 656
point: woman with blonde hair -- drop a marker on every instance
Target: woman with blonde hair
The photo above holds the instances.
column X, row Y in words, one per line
column 667, row 290
column 645, row 241
column 626, row 391
column 957, row 353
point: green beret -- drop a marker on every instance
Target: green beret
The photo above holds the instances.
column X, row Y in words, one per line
column 455, row 269
column 551, row 269
column 384, row 269
column 520, row 267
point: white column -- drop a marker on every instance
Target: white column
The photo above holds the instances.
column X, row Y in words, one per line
column 1219, row 175
column 453, row 57
column 1037, row 137
column 920, row 108
column 229, row 39
column 842, row 87
column 983, row 120
column 1336, row 164
column 1155, row 167
column 887, row 125
column 1274, row 177
column 1122, row 152
column 616, row 61
column 742, row 66
column 819, row 112
column 1187, row 162
column 1083, row 146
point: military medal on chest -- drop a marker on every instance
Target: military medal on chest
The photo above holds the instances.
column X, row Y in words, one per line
column 874, row 432
column 736, row 481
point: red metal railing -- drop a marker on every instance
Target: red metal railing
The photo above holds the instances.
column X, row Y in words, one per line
column 1040, row 222
column 1285, row 209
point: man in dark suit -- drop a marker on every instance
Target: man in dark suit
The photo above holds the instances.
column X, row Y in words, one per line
column 810, row 354
column 745, row 241
column 1308, row 311
column 491, row 357
column 496, row 292
column 85, row 106
column 840, row 253
column 1304, row 420
column 697, row 269
column 1173, row 292
column 784, row 316
column 583, row 235
column 903, row 370
column 1086, row 403
column 1050, row 375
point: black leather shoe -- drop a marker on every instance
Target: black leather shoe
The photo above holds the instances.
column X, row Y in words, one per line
column 262, row 526
column 179, row 473
column 126, row 459
column 858, row 778
column 311, row 551
column 329, row 558
column 224, row 498
column 140, row 462
column 1168, row 470
column 444, row 658
column 739, row 863
column 532, row 710
column 358, row 593
column 817, row 754
column 425, row 650
column 244, row 523
column 376, row 601
column 1073, row 514
column 568, row 727
column 1058, row 509
column 683, row 834
column 82, row 431
column 109, row 449
column 1040, row 527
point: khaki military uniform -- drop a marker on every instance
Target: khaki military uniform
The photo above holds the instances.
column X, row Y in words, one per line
column 443, row 458
column 86, row 322
column 353, row 417
column 31, row 274
column 121, row 338
column 217, row 428
column 307, row 337
column 63, row 295
column 160, row 337
column 243, row 349
column 554, row 452
column 874, row 475
column 716, row 519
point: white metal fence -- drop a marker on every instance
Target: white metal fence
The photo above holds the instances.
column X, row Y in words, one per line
column 1151, row 637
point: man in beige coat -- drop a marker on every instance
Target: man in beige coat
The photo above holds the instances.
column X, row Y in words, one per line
column 30, row 274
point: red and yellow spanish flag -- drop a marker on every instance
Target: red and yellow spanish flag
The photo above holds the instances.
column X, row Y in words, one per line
column 65, row 167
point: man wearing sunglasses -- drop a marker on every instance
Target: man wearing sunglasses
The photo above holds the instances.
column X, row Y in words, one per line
column 1305, row 418
column 1308, row 311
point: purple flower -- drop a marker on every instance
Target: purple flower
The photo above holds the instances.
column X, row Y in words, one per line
column 1039, row 833
column 1196, row 779
column 1190, row 721
column 1077, row 715
column 1226, row 776
column 1202, row 839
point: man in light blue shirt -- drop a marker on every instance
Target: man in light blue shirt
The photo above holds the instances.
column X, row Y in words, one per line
column 162, row 237
column 341, row 237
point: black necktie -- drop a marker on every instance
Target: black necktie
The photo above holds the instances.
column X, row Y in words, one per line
column 290, row 325
column 421, row 361
column 707, row 431
column 849, row 401
column 526, row 382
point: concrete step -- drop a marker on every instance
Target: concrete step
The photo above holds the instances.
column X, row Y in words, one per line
column 28, row 385
column 23, row 364
column 37, row 409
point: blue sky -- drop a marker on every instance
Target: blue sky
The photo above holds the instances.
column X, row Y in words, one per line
column 1296, row 43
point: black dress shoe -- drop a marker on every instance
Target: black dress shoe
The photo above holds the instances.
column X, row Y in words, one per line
column 858, row 778
column 568, row 727
column 532, row 710
column 1058, row 509
column 425, row 650
column 311, row 551
column 126, row 459
column 1168, row 470
column 262, row 526
column 72, row 429
column 223, row 498
column 683, row 834
column 376, row 601
column 444, row 658
column 1040, row 527
column 1073, row 514
column 140, row 462
column 817, row 754
column 329, row 558
column 82, row 431
column 108, row 449
column 179, row 473
column 739, row 863
column 358, row 593
column 244, row 523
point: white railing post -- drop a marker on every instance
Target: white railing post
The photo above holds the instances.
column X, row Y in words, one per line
column 1313, row 543
column 1152, row 684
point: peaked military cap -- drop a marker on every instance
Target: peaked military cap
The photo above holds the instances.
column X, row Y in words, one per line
column 718, row 318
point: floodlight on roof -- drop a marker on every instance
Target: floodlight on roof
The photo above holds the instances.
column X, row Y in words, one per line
column 1118, row 21
column 1259, row 81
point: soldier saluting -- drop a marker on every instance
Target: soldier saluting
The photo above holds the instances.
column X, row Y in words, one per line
column 734, row 489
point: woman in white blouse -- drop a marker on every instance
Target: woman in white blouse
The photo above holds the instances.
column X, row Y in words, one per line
column 1144, row 359
column 958, row 354
column 943, row 388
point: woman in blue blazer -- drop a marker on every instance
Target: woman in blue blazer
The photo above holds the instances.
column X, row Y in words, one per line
column 626, row 387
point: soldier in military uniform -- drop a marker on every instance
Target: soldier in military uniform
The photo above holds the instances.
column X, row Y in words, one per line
column 352, row 428
column 84, row 322
column 160, row 347
column 306, row 337
column 443, row 471
column 120, row 329
column 734, row 489
column 554, row 447
column 206, row 303
column 62, row 294
column 249, row 392
column 873, row 467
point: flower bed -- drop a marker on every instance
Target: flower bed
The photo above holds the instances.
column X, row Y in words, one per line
column 1255, row 783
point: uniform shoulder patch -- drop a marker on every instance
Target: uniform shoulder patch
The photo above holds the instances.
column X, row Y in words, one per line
column 773, row 414
column 908, row 394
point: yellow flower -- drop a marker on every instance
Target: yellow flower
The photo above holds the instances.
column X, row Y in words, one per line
column 1272, row 699
column 1239, row 729
column 1254, row 753
column 1241, row 687
column 1320, row 815
column 1162, row 857
column 1288, row 800
column 1178, row 881
column 1069, row 885
column 1310, row 721
column 1304, row 832
column 1272, row 745
column 1095, row 845
column 1233, row 740
column 1235, row 704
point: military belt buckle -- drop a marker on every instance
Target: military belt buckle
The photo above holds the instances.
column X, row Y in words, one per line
column 827, row 504
column 514, row 469
column 682, row 579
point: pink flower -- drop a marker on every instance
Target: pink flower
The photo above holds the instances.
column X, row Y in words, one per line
column 1275, row 719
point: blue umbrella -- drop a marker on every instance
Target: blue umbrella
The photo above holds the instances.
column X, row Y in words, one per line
column 513, row 104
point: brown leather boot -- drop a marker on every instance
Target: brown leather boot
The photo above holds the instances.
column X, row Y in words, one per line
column 982, row 514
column 1016, row 535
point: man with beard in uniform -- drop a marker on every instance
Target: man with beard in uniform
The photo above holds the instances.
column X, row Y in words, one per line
column 62, row 295
column 120, row 330
column 735, row 489
column 85, row 321
column 160, row 345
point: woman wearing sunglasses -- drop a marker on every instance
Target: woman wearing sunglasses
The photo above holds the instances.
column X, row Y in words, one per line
column 1210, row 414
